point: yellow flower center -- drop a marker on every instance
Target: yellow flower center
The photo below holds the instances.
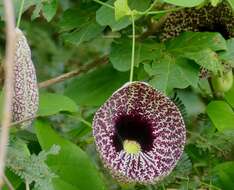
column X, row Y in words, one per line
column 131, row 147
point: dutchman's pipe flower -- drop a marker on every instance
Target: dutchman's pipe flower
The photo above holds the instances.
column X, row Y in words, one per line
column 139, row 134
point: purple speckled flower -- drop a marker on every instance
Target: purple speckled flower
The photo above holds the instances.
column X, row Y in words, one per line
column 25, row 91
column 139, row 134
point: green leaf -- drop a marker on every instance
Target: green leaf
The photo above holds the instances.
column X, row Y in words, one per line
column 222, row 115
column 121, row 9
column 59, row 184
column 94, row 88
column 72, row 165
column 231, row 2
column 123, row 47
column 194, row 105
column 225, row 173
column 139, row 5
column 49, row 9
column 206, row 58
column 87, row 33
column 228, row 55
column 51, row 104
column 78, row 26
column 37, row 10
column 200, row 47
column 77, row 18
column 17, row 3
column 169, row 73
column 195, row 41
column 214, row 2
column 185, row 3
column 105, row 16
column 14, row 179
column 229, row 96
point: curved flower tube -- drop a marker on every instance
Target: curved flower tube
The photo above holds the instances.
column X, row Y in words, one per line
column 25, row 93
column 139, row 134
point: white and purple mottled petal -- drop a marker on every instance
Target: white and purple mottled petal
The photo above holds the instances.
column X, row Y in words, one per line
column 139, row 113
column 25, row 93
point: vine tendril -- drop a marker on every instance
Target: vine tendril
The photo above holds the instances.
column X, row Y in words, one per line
column 133, row 48
column 20, row 13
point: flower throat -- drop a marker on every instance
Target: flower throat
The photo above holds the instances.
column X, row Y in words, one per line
column 133, row 132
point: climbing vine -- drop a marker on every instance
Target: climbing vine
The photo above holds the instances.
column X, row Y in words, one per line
column 100, row 84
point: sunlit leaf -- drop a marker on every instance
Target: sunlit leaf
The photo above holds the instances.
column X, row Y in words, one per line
column 121, row 9
column 222, row 115
column 94, row 88
column 51, row 103
column 72, row 164
column 184, row 3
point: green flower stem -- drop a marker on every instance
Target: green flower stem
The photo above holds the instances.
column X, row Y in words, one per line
column 210, row 186
column 20, row 13
column 160, row 11
column 133, row 49
column 81, row 119
column 85, row 122
column 146, row 12
column 151, row 6
column 104, row 4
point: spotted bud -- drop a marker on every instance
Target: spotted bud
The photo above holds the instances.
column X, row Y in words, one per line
column 25, row 93
column 139, row 134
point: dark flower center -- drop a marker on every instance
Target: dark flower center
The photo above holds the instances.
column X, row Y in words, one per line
column 133, row 127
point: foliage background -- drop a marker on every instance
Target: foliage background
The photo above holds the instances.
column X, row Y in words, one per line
column 58, row 152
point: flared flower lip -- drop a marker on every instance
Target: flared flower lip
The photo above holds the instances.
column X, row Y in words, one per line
column 168, row 129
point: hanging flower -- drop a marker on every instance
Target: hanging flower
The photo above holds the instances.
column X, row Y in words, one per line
column 25, row 93
column 139, row 134
column 205, row 19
